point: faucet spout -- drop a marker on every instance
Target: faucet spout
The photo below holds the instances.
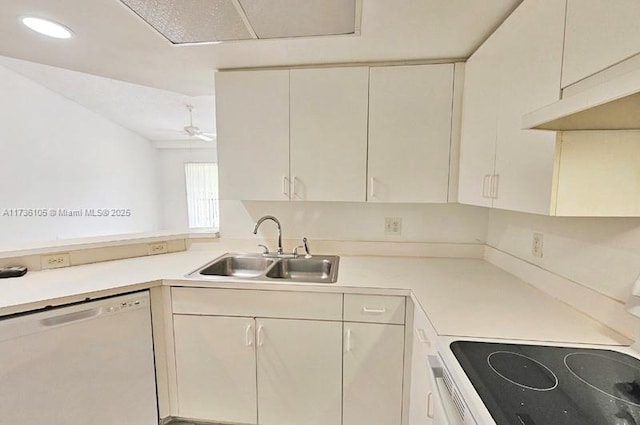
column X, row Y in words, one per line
column 275, row 220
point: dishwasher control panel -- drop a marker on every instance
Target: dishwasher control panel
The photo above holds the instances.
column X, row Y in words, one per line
column 127, row 305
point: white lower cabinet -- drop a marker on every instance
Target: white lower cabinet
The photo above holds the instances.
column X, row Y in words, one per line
column 299, row 372
column 288, row 358
column 373, row 374
column 266, row 371
column 423, row 405
column 216, row 368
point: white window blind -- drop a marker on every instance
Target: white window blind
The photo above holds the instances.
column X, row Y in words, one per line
column 202, row 194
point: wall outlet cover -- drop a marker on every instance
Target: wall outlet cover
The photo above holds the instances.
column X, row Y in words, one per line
column 536, row 245
column 393, row 226
column 54, row 261
column 157, row 248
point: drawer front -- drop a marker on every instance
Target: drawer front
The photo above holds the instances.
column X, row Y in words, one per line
column 374, row 309
column 249, row 303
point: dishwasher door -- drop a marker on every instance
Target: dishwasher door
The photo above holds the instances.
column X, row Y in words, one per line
column 90, row 363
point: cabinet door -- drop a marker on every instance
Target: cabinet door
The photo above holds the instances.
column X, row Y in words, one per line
column 598, row 174
column 216, row 368
column 252, row 109
column 529, row 79
column 373, row 372
column 329, row 133
column 599, row 33
column 479, row 119
column 422, row 406
column 409, row 133
column 299, row 372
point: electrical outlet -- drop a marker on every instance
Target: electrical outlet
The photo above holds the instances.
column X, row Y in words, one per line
column 536, row 245
column 393, row 226
column 54, row 261
column 157, row 248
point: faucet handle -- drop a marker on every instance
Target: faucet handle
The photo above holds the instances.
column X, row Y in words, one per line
column 295, row 250
column 305, row 245
column 265, row 249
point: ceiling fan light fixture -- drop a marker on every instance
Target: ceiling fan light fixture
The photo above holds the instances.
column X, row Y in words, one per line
column 46, row 27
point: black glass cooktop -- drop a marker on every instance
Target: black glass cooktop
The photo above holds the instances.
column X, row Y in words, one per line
column 540, row 385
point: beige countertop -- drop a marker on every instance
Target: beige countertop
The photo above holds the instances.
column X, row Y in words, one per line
column 462, row 297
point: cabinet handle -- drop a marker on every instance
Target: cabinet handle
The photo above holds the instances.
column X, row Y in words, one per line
column 374, row 310
column 295, row 188
column 372, row 187
column 495, row 179
column 286, row 183
column 422, row 337
column 247, row 336
column 260, row 336
column 429, row 405
column 348, row 340
column 485, row 186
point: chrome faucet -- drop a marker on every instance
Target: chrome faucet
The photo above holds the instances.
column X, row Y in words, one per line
column 275, row 220
column 305, row 246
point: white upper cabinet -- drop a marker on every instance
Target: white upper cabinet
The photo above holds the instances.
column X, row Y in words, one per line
column 530, row 79
column 516, row 71
column 252, row 114
column 409, row 133
column 479, row 122
column 317, row 134
column 329, row 108
column 600, row 33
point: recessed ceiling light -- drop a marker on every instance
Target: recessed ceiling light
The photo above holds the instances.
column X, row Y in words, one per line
column 46, row 27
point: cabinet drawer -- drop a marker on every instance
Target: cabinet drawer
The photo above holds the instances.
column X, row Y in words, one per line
column 374, row 308
column 248, row 303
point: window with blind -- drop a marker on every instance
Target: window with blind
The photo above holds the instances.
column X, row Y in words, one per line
column 202, row 195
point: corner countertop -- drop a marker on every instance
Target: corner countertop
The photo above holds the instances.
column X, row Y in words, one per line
column 462, row 297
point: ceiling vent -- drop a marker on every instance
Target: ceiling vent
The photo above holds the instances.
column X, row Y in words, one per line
column 210, row 21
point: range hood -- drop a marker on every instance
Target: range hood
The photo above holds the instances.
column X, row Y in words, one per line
column 612, row 105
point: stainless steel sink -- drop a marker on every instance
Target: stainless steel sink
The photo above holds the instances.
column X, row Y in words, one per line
column 315, row 269
column 241, row 266
column 256, row 267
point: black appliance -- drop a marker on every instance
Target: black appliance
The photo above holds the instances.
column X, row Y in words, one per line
column 544, row 385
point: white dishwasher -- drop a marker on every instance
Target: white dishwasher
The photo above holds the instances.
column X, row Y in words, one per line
column 88, row 363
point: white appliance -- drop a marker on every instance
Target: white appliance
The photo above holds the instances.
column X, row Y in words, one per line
column 469, row 399
column 449, row 408
column 89, row 363
column 462, row 404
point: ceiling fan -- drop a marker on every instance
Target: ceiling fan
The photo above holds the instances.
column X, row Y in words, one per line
column 194, row 131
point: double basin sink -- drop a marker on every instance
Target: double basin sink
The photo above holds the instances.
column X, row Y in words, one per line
column 257, row 267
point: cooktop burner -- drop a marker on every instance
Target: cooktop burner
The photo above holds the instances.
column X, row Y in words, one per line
column 595, row 371
column 522, row 371
column 542, row 385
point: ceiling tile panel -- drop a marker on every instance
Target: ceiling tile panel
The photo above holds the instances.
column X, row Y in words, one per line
column 297, row 18
column 192, row 21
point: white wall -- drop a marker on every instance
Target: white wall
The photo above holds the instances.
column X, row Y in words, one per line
column 172, row 183
column 57, row 154
column 600, row 253
column 451, row 223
